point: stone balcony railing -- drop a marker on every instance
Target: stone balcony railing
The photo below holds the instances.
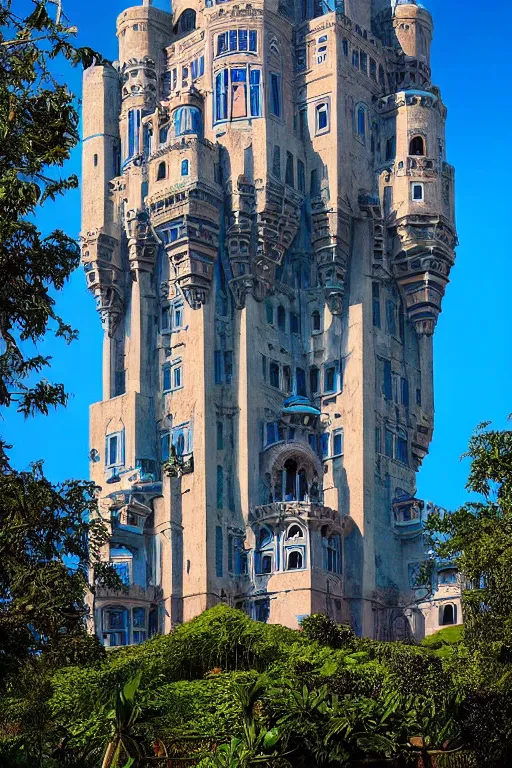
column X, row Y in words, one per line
column 309, row 511
column 131, row 592
column 418, row 165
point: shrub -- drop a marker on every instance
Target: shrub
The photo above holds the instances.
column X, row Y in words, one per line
column 327, row 632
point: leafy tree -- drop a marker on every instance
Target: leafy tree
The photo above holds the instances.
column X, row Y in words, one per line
column 38, row 130
column 48, row 537
column 479, row 538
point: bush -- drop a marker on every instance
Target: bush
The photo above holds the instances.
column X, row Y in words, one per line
column 327, row 632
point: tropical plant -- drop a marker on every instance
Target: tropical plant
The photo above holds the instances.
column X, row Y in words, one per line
column 123, row 744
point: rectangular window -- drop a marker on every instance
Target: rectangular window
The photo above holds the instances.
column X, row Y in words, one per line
column 228, row 367
column 288, row 177
column 395, row 382
column 276, row 163
column 355, row 59
column 363, row 62
column 373, row 69
column 404, row 392
column 220, row 436
column 264, row 367
column 114, row 450
column 255, row 91
column 253, row 40
column 337, row 442
column 387, row 389
column 401, row 449
column 314, row 380
column 119, row 383
column 165, row 445
column 321, row 49
column 217, row 364
column 331, row 383
column 230, row 553
column 324, row 445
column 322, row 117
column 274, row 374
column 271, row 435
column 184, row 167
column 301, row 177
column 294, row 323
column 269, row 311
column 275, row 94
column 344, row 46
column 287, row 379
column 300, row 382
column 166, row 378
column 391, row 316
column 388, row 200
column 417, row 193
column 376, row 304
column 177, row 377
column 389, row 443
column 239, row 92
column 220, row 487
column 221, row 95
column 303, row 123
column 219, row 551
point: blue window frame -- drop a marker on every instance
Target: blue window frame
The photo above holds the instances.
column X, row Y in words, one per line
column 184, row 167
column 275, row 94
column 324, row 445
column 332, row 378
column 166, row 378
column 361, row 123
column 237, row 40
column 322, row 117
column 114, row 449
column 255, row 91
column 337, row 442
column 221, row 95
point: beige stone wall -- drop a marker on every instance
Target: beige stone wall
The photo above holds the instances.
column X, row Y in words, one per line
column 212, row 236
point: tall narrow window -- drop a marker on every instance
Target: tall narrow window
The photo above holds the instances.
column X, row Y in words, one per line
column 255, row 91
column 376, row 304
column 288, row 178
column 417, row 193
column 330, row 378
column 391, row 316
column 220, row 487
column 221, row 95
column 294, row 323
column 387, row 387
column 220, row 436
column 275, row 94
column 391, row 148
column 217, row 366
column 314, row 379
column 388, row 200
column 316, row 321
column 301, row 177
column 300, row 379
column 361, row 123
column 269, row 312
column 276, row 162
column 287, row 379
column 219, row 551
column 405, row 392
column 184, row 167
column 337, row 442
column 281, row 318
column 274, row 374
column 401, row 447
column 314, row 184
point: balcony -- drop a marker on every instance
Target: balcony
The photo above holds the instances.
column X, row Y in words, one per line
column 308, row 511
column 418, row 166
column 131, row 592
column 407, row 513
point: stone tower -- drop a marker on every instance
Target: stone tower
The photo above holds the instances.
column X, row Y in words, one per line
column 268, row 230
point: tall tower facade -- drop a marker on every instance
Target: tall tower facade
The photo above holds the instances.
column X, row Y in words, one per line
column 268, row 231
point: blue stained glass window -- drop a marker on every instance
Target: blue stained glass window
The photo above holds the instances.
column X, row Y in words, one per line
column 361, row 122
column 337, row 443
column 222, row 43
column 324, row 444
column 184, row 167
column 165, row 445
column 166, row 373
column 221, row 95
column 255, row 92
column 217, row 360
column 233, row 39
column 253, row 40
column 242, row 39
column 201, row 66
column 194, row 68
column 187, row 120
column 123, row 571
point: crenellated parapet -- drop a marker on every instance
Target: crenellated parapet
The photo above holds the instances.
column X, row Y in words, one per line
column 105, row 279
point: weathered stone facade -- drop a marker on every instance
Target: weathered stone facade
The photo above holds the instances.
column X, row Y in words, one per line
column 268, row 230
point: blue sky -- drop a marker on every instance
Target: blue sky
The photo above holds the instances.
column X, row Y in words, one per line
column 472, row 348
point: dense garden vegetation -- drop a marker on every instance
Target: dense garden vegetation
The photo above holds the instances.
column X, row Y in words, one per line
column 228, row 691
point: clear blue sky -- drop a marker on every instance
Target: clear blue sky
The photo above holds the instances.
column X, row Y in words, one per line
column 472, row 358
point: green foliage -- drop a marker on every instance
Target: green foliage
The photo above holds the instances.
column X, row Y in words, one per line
column 479, row 538
column 326, row 631
column 38, row 130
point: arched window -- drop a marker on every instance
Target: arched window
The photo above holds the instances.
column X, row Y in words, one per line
column 315, row 321
column 290, row 485
column 295, row 532
column 417, row 146
column 447, row 614
column 162, row 134
column 161, row 172
column 264, row 555
column 265, row 537
column 187, row 120
column 187, row 21
column 295, row 560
